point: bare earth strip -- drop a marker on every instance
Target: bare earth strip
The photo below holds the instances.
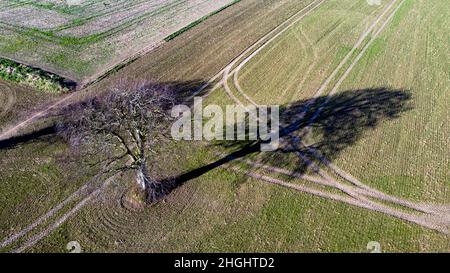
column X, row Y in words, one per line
column 13, row 130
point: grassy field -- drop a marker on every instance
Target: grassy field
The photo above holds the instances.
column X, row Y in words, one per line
column 385, row 123
column 298, row 62
column 222, row 211
column 16, row 101
column 409, row 151
column 83, row 41
column 409, row 156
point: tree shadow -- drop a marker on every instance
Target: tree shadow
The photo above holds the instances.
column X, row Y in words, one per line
column 341, row 122
column 11, row 143
column 336, row 123
column 184, row 91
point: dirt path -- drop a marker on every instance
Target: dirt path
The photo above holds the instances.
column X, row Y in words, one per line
column 371, row 192
column 359, row 191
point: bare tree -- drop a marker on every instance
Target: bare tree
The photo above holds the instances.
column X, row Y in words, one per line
column 120, row 130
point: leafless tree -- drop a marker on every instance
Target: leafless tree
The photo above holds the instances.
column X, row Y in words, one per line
column 120, row 130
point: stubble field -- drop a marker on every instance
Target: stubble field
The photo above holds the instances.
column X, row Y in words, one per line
column 85, row 40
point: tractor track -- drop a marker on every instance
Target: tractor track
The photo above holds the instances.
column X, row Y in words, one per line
column 95, row 192
column 8, row 98
column 356, row 195
column 357, row 190
column 423, row 221
column 86, row 193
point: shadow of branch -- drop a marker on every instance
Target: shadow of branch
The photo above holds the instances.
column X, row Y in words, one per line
column 336, row 123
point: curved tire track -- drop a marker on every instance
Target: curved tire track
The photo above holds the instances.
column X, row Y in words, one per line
column 60, row 103
column 7, row 98
column 361, row 190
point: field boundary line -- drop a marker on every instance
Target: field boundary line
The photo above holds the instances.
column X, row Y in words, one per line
column 12, row 129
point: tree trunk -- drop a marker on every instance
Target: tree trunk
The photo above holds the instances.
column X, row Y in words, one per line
column 154, row 190
column 140, row 178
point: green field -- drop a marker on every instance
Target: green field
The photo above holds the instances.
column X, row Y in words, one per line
column 83, row 41
column 372, row 163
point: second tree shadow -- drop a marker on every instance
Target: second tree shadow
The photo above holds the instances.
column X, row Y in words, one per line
column 336, row 122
